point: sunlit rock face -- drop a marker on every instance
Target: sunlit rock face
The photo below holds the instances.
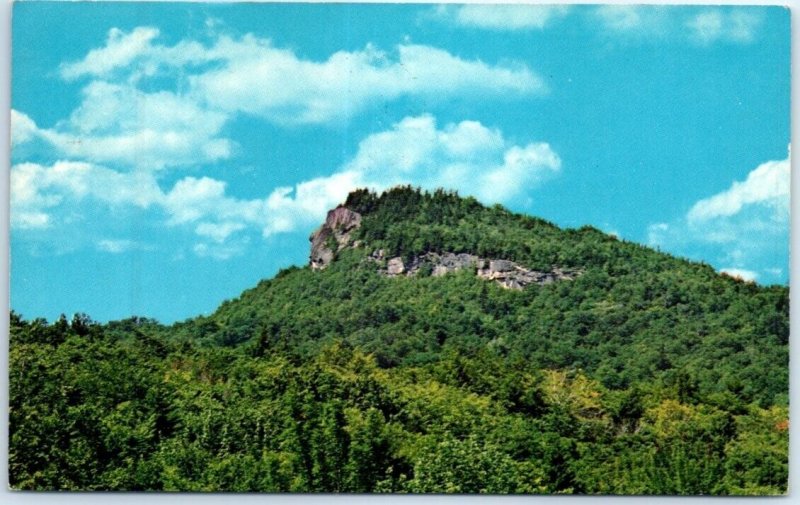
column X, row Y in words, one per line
column 336, row 233
column 506, row 273
column 333, row 235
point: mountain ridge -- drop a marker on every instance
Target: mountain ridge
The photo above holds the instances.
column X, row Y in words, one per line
column 335, row 234
column 626, row 291
column 641, row 374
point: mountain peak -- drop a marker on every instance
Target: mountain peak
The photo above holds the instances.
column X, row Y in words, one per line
column 341, row 230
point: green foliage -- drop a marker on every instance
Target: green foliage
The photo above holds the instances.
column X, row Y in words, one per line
column 646, row 374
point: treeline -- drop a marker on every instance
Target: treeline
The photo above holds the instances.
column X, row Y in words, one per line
column 647, row 374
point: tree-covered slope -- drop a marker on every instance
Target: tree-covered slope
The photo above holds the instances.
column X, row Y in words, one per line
column 642, row 373
column 633, row 314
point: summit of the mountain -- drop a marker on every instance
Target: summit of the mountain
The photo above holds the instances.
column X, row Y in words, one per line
column 338, row 232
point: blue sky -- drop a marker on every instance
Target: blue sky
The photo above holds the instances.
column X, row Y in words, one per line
column 166, row 157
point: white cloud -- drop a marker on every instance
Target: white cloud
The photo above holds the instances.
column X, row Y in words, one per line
column 119, row 124
column 629, row 21
column 218, row 232
column 219, row 251
column 742, row 25
column 121, row 50
column 767, row 185
column 634, row 22
column 23, row 128
column 108, row 107
column 709, row 25
column 658, row 234
column 39, row 187
column 43, row 196
column 26, row 219
column 503, row 17
column 250, row 75
column 194, row 200
column 307, row 202
column 467, row 156
column 191, row 199
column 215, row 215
column 522, row 168
column 633, row 19
column 737, row 25
column 706, row 26
column 257, row 78
column 28, row 204
column 35, row 189
column 132, row 56
column 146, row 107
column 114, row 246
column 746, row 227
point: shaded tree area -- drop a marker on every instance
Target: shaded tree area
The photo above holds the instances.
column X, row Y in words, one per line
column 99, row 413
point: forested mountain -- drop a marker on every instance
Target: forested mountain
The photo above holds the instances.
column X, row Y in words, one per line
column 431, row 345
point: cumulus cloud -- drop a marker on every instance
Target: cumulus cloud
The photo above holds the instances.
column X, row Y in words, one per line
column 46, row 197
column 502, row 17
column 147, row 107
column 633, row 19
column 23, row 128
column 767, row 185
column 713, row 24
column 219, row 220
column 35, row 189
column 701, row 26
column 305, row 204
column 737, row 25
column 218, row 232
column 124, row 120
column 257, row 78
column 466, row 156
column 121, row 50
column 42, row 195
column 745, row 226
column 117, row 123
column 250, row 75
column 219, row 251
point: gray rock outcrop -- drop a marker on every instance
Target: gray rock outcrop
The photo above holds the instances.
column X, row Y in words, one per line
column 336, row 232
column 395, row 266
column 506, row 273
column 333, row 235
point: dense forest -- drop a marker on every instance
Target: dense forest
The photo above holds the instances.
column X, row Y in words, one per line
column 645, row 374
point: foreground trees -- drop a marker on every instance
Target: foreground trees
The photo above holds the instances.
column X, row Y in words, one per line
column 93, row 411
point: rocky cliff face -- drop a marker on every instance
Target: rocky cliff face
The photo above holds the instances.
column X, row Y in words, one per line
column 332, row 236
column 506, row 273
column 335, row 235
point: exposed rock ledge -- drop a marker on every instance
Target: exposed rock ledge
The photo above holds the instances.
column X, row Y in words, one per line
column 333, row 235
column 506, row 273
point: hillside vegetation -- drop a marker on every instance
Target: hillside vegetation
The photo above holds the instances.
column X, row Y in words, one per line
column 645, row 374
